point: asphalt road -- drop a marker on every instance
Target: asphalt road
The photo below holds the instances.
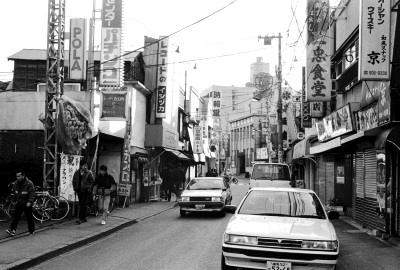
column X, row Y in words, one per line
column 168, row 241
column 165, row 242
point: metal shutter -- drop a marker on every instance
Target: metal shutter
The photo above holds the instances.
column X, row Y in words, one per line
column 370, row 173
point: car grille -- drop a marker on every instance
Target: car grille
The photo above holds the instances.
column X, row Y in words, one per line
column 281, row 243
column 200, row 199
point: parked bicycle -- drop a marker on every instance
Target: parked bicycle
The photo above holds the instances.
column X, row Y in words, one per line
column 7, row 206
column 46, row 206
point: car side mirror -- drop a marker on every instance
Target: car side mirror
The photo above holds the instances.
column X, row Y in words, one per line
column 230, row 209
column 333, row 215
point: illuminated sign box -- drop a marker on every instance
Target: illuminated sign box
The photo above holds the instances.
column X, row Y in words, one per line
column 113, row 105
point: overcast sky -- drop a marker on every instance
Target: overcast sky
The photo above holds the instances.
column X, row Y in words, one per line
column 223, row 45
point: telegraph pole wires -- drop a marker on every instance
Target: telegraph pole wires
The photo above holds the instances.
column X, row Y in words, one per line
column 267, row 41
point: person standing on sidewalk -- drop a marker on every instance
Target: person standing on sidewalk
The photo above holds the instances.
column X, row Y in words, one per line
column 179, row 179
column 168, row 182
column 82, row 182
column 24, row 193
column 103, row 186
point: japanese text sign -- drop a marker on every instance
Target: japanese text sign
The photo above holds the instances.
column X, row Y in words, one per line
column 216, row 103
column 113, row 105
column 112, row 13
column 198, row 140
column 374, row 58
column 319, row 82
column 111, row 33
column 69, row 165
column 306, row 121
column 162, row 68
column 124, row 190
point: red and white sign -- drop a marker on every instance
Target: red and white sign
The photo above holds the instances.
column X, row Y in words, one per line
column 198, row 141
column 162, row 70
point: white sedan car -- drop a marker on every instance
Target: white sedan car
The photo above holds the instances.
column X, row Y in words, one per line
column 205, row 194
column 280, row 229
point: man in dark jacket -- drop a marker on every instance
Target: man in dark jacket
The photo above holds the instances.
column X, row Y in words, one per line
column 103, row 186
column 168, row 182
column 82, row 183
column 179, row 179
column 24, row 193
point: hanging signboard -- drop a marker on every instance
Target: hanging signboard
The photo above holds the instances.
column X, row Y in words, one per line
column 111, row 32
column 77, row 45
column 162, row 68
column 113, row 105
column 69, row 165
column 374, row 55
column 319, row 82
column 198, row 143
column 335, row 124
column 306, row 121
column 316, row 109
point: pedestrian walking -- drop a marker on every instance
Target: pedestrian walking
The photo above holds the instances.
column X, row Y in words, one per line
column 82, row 182
column 103, row 186
column 168, row 182
column 179, row 178
column 24, row 193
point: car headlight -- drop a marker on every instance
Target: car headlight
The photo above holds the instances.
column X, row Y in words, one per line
column 240, row 239
column 321, row 245
column 216, row 199
column 185, row 199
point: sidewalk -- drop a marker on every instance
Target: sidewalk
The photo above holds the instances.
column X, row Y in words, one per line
column 23, row 251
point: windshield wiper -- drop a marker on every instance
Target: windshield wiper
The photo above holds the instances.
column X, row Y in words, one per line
column 271, row 214
column 310, row 216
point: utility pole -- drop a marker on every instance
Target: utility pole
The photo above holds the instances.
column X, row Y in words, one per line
column 267, row 41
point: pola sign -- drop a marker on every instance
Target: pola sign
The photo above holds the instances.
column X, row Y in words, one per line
column 77, row 69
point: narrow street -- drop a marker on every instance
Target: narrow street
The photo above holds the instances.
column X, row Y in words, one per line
column 168, row 241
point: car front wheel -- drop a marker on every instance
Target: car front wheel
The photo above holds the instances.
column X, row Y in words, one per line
column 224, row 266
column 182, row 212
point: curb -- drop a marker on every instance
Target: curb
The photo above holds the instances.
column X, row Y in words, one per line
column 29, row 263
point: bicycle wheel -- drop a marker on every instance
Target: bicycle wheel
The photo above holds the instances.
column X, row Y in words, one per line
column 61, row 208
column 4, row 215
column 11, row 209
column 43, row 208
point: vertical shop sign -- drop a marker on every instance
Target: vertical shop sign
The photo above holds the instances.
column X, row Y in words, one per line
column 305, row 106
column 316, row 109
column 374, row 55
column 69, row 164
column 381, row 189
column 216, row 102
column 111, row 32
column 162, row 68
column 77, row 45
column 319, row 82
column 198, row 144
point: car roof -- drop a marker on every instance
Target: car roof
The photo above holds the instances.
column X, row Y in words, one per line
column 303, row 190
column 266, row 163
column 208, row 178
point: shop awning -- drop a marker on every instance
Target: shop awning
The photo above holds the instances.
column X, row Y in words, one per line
column 180, row 155
column 390, row 135
column 362, row 134
column 302, row 148
column 323, row 147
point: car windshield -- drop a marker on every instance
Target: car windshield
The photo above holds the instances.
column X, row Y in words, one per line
column 282, row 203
column 201, row 183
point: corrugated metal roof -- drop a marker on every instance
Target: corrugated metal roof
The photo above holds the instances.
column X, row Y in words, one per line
column 39, row 54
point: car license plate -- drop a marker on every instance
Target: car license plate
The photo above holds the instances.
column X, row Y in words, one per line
column 199, row 206
column 272, row 265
